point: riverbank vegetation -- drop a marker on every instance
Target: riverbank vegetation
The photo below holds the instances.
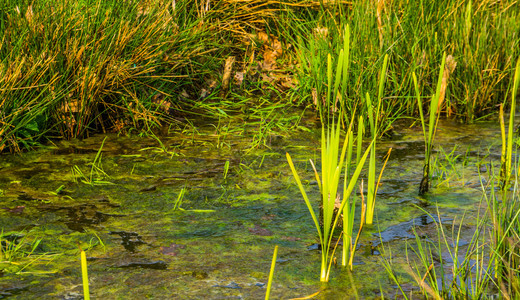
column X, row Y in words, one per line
column 74, row 68
column 149, row 67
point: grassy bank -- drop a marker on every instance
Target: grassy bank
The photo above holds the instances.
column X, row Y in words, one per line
column 73, row 68
column 482, row 40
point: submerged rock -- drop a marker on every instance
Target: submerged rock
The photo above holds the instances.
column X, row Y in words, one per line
column 156, row 265
column 231, row 285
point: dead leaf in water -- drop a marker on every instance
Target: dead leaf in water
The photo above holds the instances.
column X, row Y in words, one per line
column 268, row 217
column 17, row 210
column 172, row 250
column 257, row 230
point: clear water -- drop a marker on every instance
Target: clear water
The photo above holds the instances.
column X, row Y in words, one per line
column 219, row 244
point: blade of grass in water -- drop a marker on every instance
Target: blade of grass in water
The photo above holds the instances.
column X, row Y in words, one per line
column 373, row 118
column 84, row 276
column 271, row 273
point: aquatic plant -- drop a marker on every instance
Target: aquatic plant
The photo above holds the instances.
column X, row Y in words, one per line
column 505, row 216
column 432, row 124
column 349, row 211
column 171, row 152
column 332, row 203
column 447, row 267
column 12, row 246
column 468, row 276
column 226, row 169
column 178, row 202
column 18, row 252
column 504, row 232
column 507, row 143
column 271, row 274
column 487, row 263
column 97, row 175
column 505, row 208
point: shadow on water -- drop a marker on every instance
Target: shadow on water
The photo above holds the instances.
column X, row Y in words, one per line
column 215, row 240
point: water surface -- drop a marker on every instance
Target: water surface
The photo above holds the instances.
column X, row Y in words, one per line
column 216, row 241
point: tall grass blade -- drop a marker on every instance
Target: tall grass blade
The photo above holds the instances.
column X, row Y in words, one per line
column 304, row 194
column 373, row 119
column 509, row 147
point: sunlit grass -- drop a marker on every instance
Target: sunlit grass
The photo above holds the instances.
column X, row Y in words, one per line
column 334, row 158
column 331, row 201
column 271, row 273
column 507, row 141
column 84, row 275
column 429, row 134
column 374, row 115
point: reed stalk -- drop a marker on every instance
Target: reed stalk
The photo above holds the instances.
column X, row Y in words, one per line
column 432, row 124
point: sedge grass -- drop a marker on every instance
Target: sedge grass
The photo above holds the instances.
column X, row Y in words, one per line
column 82, row 66
column 75, row 67
column 504, row 207
column 413, row 33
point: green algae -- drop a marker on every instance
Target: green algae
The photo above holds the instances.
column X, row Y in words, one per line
column 138, row 245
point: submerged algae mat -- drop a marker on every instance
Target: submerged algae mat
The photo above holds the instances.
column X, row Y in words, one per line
column 197, row 215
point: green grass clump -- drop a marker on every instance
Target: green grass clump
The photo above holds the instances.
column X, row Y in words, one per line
column 482, row 39
column 75, row 67
column 335, row 157
column 331, row 201
column 20, row 253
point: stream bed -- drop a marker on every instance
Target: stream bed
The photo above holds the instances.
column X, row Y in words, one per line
column 196, row 213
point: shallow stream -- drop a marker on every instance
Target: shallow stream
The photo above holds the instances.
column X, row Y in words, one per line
column 144, row 239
